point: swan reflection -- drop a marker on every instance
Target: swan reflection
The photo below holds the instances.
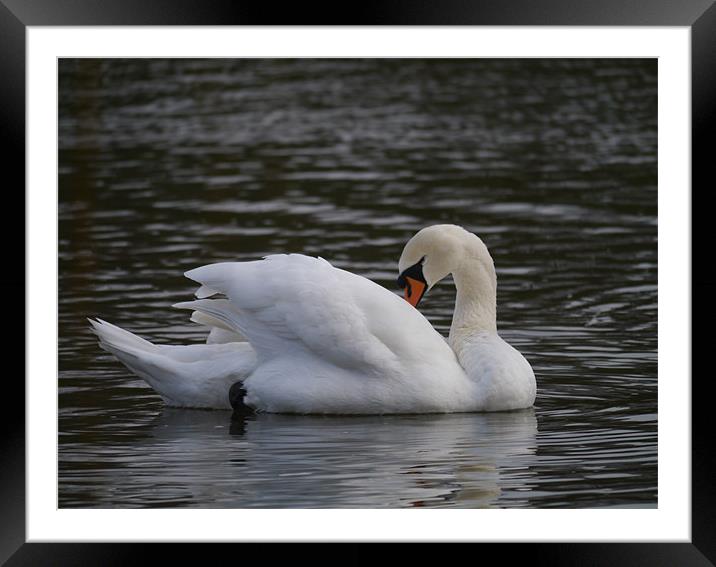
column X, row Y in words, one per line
column 282, row 461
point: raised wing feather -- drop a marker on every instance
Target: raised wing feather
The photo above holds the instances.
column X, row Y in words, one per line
column 286, row 303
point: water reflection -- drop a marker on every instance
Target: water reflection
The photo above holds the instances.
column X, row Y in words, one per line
column 300, row 461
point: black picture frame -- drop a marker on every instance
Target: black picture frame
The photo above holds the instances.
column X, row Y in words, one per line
column 699, row 15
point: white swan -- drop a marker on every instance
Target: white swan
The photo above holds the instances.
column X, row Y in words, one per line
column 323, row 340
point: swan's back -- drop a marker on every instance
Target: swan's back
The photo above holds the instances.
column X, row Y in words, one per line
column 326, row 337
column 290, row 302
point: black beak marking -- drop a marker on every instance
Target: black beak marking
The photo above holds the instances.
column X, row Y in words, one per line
column 416, row 272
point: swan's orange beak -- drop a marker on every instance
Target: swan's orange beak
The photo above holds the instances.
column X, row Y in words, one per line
column 414, row 291
column 414, row 284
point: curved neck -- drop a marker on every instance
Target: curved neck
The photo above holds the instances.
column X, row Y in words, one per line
column 476, row 301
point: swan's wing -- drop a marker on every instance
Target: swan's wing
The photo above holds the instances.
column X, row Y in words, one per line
column 219, row 333
column 289, row 303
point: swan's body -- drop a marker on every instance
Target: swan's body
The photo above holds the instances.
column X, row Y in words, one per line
column 323, row 340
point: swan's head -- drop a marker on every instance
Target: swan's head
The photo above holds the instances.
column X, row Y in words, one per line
column 434, row 253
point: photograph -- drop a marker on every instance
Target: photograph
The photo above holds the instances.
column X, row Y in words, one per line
column 357, row 283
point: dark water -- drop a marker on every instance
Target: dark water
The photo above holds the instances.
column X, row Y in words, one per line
column 167, row 165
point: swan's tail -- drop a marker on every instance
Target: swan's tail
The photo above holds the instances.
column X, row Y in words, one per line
column 113, row 338
column 199, row 375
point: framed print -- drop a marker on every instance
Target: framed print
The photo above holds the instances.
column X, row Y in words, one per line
column 565, row 140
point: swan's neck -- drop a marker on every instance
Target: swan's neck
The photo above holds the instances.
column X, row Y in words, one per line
column 476, row 301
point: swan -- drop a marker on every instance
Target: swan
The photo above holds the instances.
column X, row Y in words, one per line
column 293, row 334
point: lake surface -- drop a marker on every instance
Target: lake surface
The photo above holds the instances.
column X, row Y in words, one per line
column 165, row 165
